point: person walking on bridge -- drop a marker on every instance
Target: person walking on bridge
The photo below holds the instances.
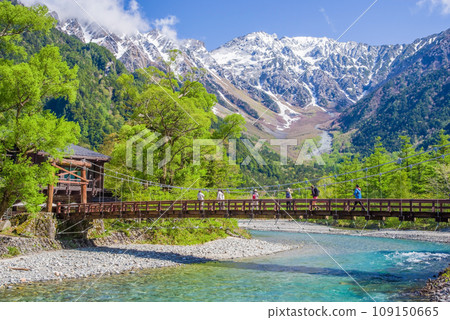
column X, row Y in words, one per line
column 200, row 197
column 288, row 199
column 358, row 195
column 221, row 198
column 315, row 194
column 255, row 197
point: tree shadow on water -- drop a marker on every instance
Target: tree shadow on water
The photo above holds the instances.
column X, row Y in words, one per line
column 358, row 275
column 150, row 254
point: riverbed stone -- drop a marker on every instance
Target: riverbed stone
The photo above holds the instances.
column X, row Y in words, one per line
column 115, row 259
column 39, row 225
column 4, row 225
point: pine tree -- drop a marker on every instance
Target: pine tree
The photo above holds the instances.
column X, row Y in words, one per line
column 377, row 183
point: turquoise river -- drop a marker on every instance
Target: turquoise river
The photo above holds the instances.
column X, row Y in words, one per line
column 387, row 269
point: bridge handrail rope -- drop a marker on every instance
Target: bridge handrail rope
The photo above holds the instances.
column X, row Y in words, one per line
column 399, row 160
column 146, row 182
column 267, row 208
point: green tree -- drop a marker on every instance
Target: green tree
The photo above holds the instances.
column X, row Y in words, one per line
column 173, row 111
column 24, row 87
column 220, row 173
column 21, row 178
column 378, row 182
column 25, row 128
column 439, row 184
column 443, row 147
column 349, row 177
column 15, row 20
column 417, row 173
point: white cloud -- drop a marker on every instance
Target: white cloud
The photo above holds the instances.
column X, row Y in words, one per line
column 327, row 19
column 166, row 27
column 441, row 5
column 110, row 14
column 134, row 6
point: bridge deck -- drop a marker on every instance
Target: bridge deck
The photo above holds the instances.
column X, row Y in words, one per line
column 374, row 209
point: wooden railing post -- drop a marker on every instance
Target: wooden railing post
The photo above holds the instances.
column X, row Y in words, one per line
column 50, row 191
column 83, row 186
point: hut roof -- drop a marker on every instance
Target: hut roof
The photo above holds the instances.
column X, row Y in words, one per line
column 77, row 152
column 80, row 153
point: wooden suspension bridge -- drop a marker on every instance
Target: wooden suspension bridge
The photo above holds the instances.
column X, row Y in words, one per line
column 370, row 209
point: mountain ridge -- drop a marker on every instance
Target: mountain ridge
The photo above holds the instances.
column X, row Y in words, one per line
column 413, row 101
column 278, row 84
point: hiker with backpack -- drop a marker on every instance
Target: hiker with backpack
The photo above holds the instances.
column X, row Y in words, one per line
column 358, row 195
column 288, row 199
column 315, row 194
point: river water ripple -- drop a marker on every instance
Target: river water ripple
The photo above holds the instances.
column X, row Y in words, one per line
column 387, row 269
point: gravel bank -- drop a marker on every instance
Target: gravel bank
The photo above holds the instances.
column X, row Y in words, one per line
column 306, row 227
column 116, row 259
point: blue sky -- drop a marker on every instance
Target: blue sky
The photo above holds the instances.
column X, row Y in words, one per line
column 216, row 22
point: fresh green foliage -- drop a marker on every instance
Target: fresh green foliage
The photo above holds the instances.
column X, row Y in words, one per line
column 176, row 232
column 96, row 107
column 16, row 20
column 25, row 86
column 25, row 128
column 12, row 252
column 231, row 127
column 390, row 223
column 446, row 275
column 425, row 180
column 273, row 171
column 171, row 113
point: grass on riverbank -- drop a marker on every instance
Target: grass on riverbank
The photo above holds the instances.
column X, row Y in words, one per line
column 12, row 252
column 174, row 231
column 446, row 275
column 389, row 223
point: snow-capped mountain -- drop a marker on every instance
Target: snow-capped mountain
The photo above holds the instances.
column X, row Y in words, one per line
column 259, row 71
column 304, row 70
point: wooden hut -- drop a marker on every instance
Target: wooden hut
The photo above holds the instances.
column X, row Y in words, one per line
column 81, row 176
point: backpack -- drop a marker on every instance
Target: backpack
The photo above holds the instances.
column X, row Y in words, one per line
column 316, row 192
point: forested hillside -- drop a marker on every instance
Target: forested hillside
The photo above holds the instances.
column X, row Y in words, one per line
column 96, row 107
column 413, row 101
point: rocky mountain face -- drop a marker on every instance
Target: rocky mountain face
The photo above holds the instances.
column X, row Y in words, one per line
column 268, row 79
column 305, row 71
column 414, row 100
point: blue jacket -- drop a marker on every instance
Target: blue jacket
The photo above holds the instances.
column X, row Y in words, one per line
column 357, row 193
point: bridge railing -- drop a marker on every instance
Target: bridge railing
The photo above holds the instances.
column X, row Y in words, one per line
column 405, row 209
